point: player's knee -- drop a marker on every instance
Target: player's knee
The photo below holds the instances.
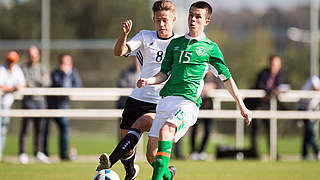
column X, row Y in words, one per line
column 143, row 124
column 167, row 132
column 151, row 157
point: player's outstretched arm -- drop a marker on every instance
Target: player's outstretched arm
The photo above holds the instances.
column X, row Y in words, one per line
column 121, row 47
column 156, row 79
column 233, row 90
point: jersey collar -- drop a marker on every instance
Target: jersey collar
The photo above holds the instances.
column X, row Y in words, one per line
column 198, row 38
column 165, row 38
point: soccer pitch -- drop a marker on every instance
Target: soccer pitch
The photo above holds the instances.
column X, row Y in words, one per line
column 93, row 145
column 186, row 170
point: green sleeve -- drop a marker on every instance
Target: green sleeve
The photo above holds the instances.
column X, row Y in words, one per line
column 168, row 60
column 218, row 63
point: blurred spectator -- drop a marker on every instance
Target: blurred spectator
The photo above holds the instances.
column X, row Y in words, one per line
column 309, row 136
column 269, row 80
column 177, row 150
column 128, row 79
column 210, row 82
column 36, row 76
column 11, row 80
column 65, row 76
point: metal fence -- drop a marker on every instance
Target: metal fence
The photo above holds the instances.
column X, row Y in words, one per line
column 219, row 96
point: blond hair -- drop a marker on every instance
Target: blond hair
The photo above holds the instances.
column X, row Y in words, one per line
column 163, row 5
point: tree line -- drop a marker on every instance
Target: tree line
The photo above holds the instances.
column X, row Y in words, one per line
column 246, row 38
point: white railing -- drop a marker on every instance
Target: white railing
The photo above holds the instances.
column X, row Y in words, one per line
column 220, row 95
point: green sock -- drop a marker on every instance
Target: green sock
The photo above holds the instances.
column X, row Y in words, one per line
column 160, row 166
column 167, row 173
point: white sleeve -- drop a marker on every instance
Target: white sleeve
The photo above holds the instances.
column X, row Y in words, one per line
column 135, row 43
column 2, row 76
column 20, row 77
column 315, row 81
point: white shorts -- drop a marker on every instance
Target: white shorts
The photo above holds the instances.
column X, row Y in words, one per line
column 177, row 110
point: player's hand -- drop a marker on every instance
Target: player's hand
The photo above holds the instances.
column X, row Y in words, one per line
column 247, row 114
column 126, row 27
column 142, row 82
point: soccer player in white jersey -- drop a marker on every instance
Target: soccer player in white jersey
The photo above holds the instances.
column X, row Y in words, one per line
column 187, row 60
column 139, row 111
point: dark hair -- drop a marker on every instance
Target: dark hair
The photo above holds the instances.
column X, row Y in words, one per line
column 60, row 57
column 163, row 5
column 203, row 5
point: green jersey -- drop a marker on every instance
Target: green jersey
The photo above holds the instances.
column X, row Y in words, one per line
column 187, row 60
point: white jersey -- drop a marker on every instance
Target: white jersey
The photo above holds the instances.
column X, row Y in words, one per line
column 150, row 51
column 15, row 78
column 312, row 83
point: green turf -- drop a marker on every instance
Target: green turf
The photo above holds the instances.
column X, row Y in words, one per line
column 93, row 144
column 97, row 143
column 85, row 144
column 186, row 170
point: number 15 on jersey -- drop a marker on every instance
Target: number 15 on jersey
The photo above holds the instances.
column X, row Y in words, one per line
column 185, row 57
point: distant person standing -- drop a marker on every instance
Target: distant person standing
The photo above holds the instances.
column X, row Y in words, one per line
column 309, row 135
column 36, row 76
column 65, row 76
column 269, row 80
column 11, row 80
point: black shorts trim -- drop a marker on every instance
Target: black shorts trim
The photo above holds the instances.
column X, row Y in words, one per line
column 134, row 109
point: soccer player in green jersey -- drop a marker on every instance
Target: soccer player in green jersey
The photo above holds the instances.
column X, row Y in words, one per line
column 186, row 62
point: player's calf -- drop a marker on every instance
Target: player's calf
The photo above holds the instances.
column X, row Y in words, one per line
column 133, row 173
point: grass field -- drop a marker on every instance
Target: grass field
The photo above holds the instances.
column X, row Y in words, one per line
column 94, row 144
column 186, row 170
column 89, row 144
